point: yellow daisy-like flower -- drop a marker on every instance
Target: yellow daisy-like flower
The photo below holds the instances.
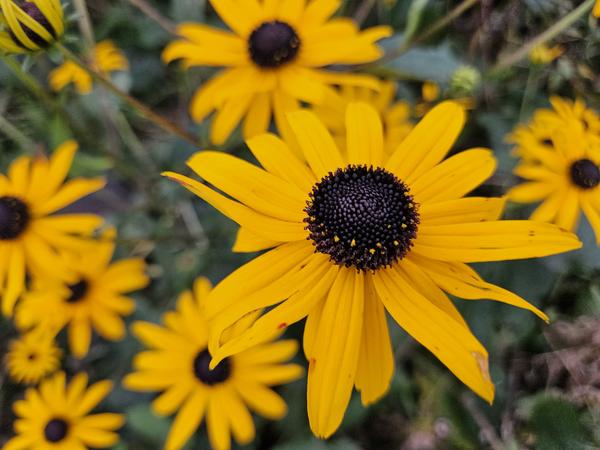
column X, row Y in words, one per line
column 596, row 11
column 93, row 300
column 29, row 25
column 542, row 54
column 564, row 173
column 107, row 58
column 177, row 365
column 357, row 235
column 31, row 357
column 32, row 238
column 273, row 59
column 56, row 416
column 394, row 115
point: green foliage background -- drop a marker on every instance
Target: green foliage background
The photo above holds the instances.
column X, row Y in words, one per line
column 547, row 377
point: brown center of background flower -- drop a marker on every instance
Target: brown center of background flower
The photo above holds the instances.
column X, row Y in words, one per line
column 219, row 374
column 14, row 217
column 34, row 12
column 585, row 174
column 273, row 44
column 56, row 430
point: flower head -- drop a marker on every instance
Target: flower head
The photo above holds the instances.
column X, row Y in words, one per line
column 94, row 299
column 107, row 58
column 177, row 364
column 542, row 54
column 33, row 239
column 596, row 11
column 560, row 153
column 57, row 416
column 27, row 26
column 273, row 59
column 357, row 233
column 32, row 356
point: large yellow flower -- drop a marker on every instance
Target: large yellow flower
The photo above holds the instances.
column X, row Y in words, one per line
column 177, row 365
column 32, row 238
column 561, row 166
column 56, row 416
column 273, row 59
column 29, row 25
column 395, row 115
column 107, row 58
column 32, row 356
column 93, row 300
column 358, row 235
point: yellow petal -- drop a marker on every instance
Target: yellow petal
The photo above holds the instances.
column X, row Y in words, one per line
column 469, row 209
column 364, row 135
column 246, row 241
column 187, row 420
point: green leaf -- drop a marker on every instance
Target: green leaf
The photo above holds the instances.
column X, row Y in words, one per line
column 149, row 426
column 413, row 20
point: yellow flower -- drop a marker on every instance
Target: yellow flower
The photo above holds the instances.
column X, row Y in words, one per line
column 107, row 59
column 542, row 54
column 432, row 94
column 31, row 357
column 358, row 235
column 32, row 238
column 56, row 416
column 273, row 60
column 94, row 299
column 394, row 115
column 596, row 11
column 177, row 366
column 29, row 25
column 561, row 166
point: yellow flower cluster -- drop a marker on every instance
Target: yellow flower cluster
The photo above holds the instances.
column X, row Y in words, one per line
column 361, row 211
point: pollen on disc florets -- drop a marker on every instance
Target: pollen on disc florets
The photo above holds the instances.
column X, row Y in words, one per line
column 219, row 374
column 585, row 174
column 14, row 217
column 362, row 217
column 273, row 44
column 34, row 12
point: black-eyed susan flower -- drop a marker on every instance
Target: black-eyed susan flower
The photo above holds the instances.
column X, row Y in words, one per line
column 395, row 115
column 32, row 356
column 356, row 235
column 27, row 26
column 561, row 167
column 94, row 299
column 273, row 59
column 176, row 365
column 33, row 239
column 106, row 58
column 56, row 416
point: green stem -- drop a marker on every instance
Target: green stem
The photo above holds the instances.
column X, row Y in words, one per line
column 26, row 144
column 544, row 37
column 157, row 119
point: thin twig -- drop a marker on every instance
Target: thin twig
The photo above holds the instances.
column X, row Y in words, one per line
column 157, row 119
column 487, row 430
column 363, row 10
column 85, row 25
column 153, row 14
column 547, row 35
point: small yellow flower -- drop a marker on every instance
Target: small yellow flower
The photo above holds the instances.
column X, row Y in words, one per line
column 32, row 356
column 56, row 416
column 29, row 25
column 33, row 240
column 542, row 54
column 432, row 94
column 430, row 91
column 395, row 116
column 596, row 11
column 107, row 58
column 561, row 165
column 93, row 300
column 177, row 366
column 273, row 60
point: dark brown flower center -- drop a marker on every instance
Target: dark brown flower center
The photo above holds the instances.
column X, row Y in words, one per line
column 273, row 44
column 56, row 430
column 219, row 374
column 78, row 291
column 34, row 12
column 585, row 174
column 14, row 217
column 362, row 217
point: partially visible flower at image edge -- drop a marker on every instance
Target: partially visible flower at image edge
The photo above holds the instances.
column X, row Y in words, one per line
column 32, row 356
column 107, row 58
column 596, row 11
column 30, row 25
column 33, row 239
column 56, row 416
column 562, row 169
column 353, row 236
column 176, row 365
column 273, row 61
column 94, row 300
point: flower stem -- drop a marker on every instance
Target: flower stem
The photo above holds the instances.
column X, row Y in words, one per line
column 547, row 35
column 157, row 119
column 153, row 14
